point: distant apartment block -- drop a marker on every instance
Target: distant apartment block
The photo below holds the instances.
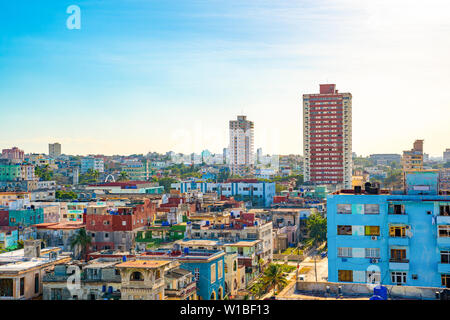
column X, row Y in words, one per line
column 327, row 137
column 138, row 171
column 250, row 190
column 92, row 164
column 392, row 238
column 413, row 159
column 385, row 159
column 240, row 150
column 14, row 154
column 446, row 155
column 54, row 150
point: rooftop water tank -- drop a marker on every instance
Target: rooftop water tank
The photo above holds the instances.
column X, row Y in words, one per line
column 124, row 258
column 186, row 250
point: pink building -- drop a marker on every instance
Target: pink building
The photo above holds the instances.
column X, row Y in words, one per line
column 14, row 154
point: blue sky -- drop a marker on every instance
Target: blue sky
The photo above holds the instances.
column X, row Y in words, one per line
column 146, row 75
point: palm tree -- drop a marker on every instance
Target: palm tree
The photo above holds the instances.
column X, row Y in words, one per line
column 274, row 276
column 258, row 289
column 95, row 175
column 123, row 176
column 82, row 240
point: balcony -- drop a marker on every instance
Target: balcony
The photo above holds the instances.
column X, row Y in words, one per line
column 398, row 218
column 181, row 293
column 399, row 264
column 443, row 219
column 398, row 241
column 444, row 267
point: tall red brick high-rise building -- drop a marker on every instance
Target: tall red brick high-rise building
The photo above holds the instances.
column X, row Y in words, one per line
column 327, row 137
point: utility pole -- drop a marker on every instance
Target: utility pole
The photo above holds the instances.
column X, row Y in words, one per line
column 315, row 267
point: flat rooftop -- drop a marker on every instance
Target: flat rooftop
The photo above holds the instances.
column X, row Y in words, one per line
column 243, row 243
column 198, row 242
column 147, row 264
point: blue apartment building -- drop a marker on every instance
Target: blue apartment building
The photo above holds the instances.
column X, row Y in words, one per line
column 259, row 193
column 392, row 238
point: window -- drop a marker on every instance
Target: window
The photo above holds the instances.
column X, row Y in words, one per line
column 445, row 279
column 372, row 252
column 345, row 252
column 220, row 269
column 345, row 275
column 136, row 276
column 371, row 209
column 197, row 274
column 397, row 231
column 344, row 208
column 444, row 210
column 444, row 231
column 22, row 286
column 445, row 256
column 213, row 273
column 398, row 277
column 344, row 230
column 6, row 287
column 398, row 255
column 372, row 230
column 396, row 209
column 36, row 283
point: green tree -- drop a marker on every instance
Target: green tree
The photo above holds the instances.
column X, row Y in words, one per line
column 123, row 176
column 274, row 277
column 317, row 228
column 81, row 240
column 166, row 182
column 65, row 195
column 91, row 176
column 44, row 172
column 258, row 288
column 394, row 178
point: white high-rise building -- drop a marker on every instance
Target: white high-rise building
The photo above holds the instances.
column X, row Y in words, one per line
column 240, row 151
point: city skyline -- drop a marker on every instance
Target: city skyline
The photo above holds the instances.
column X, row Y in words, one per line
column 152, row 76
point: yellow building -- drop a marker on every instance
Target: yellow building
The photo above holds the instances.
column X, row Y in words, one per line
column 360, row 180
column 413, row 159
column 212, row 218
column 143, row 279
column 7, row 197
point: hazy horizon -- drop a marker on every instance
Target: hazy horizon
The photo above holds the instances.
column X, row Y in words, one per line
column 169, row 75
